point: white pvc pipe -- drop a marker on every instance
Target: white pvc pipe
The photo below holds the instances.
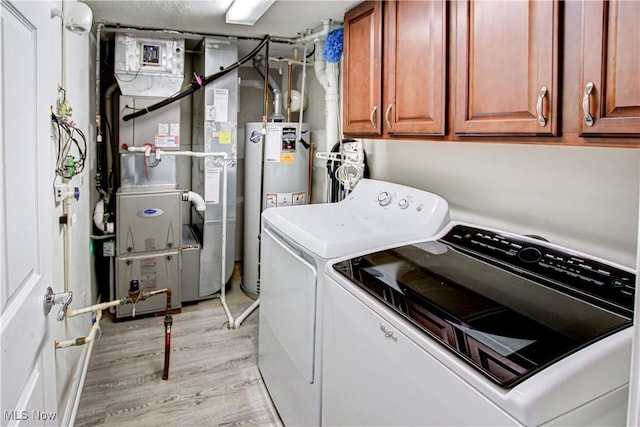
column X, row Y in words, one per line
column 83, row 340
column 233, row 323
column 304, row 83
column 68, row 212
column 326, row 26
column 86, row 357
column 327, row 75
column 98, row 218
column 147, row 149
column 133, row 149
column 287, row 60
column 331, row 104
column 192, row 154
column 320, row 66
column 96, row 307
column 223, row 272
column 197, row 200
column 247, row 312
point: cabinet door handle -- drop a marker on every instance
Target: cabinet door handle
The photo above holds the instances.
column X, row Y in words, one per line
column 588, row 118
column 386, row 116
column 373, row 115
column 543, row 93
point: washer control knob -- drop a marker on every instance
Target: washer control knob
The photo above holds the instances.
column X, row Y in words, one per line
column 384, row 198
column 403, row 203
column 530, row 254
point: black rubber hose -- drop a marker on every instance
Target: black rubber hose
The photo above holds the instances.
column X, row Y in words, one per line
column 195, row 85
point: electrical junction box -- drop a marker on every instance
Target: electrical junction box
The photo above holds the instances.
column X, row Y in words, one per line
column 151, row 66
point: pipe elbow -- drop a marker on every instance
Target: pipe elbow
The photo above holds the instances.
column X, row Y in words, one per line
column 98, row 218
column 197, row 201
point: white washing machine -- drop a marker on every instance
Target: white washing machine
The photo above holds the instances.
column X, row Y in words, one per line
column 296, row 244
column 476, row 327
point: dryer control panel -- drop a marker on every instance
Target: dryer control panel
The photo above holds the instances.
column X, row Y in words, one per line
column 577, row 274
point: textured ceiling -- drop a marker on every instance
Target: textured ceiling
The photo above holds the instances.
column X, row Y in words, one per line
column 285, row 18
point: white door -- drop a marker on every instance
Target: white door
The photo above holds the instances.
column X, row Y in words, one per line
column 27, row 359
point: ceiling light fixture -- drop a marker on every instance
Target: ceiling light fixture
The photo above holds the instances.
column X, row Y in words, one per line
column 247, row 12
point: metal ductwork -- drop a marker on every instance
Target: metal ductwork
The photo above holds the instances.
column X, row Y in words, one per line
column 277, row 115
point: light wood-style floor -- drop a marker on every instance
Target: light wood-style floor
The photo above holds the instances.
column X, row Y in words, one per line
column 213, row 376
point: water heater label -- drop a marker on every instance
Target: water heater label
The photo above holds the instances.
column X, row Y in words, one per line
column 150, row 212
column 272, row 145
column 288, row 139
column 287, row 158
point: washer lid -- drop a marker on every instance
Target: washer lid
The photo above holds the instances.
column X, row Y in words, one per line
column 504, row 322
column 375, row 214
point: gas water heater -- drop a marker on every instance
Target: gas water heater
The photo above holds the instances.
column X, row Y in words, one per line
column 276, row 174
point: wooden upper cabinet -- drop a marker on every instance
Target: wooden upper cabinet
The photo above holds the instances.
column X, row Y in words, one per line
column 362, row 75
column 506, row 68
column 400, row 92
column 610, row 73
column 415, row 64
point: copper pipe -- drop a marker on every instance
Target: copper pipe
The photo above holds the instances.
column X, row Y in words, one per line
column 168, row 322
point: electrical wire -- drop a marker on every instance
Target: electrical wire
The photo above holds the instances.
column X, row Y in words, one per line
column 71, row 153
column 313, row 51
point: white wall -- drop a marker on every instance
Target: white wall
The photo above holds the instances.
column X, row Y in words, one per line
column 585, row 198
column 73, row 70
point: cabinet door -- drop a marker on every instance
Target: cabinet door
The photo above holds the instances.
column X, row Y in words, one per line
column 362, row 92
column 415, row 67
column 610, row 85
column 506, row 66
